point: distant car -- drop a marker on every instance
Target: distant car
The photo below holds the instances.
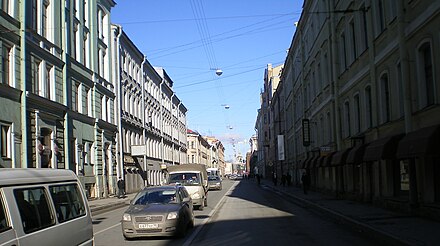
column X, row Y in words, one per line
column 214, row 183
column 159, row 211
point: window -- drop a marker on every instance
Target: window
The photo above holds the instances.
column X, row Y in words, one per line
column 353, row 40
column 426, row 76
column 347, row 124
column 400, row 88
column 6, row 64
column 34, row 209
column 368, row 107
column 364, row 28
column 76, row 98
column 342, row 51
column 34, row 15
column 4, row 5
column 5, row 135
column 85, row 49
column 385, row 98
column 36, row 76
column 44, row 19
column 4, row 223
column 74, row 41
column 380, row 16
column 48, row 82
column 357, row 114
column 88, row 101
column 68, row 202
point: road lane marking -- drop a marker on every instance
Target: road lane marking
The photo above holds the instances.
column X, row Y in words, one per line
column 106, row 229
column 206, row 220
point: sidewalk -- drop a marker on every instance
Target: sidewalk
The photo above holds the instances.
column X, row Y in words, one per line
column 98, row 206
column 390, row 227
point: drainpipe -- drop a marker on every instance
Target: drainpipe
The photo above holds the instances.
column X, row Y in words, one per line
column 117, row 71
column 404, row 65
column 144, row 122
column 24, row 119
column 161, row 122
column 172, row 130
column 335, row 89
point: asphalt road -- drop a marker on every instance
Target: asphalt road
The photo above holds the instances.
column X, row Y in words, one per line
column 243, row 213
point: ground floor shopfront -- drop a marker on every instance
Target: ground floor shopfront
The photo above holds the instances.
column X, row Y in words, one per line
column 400, row 172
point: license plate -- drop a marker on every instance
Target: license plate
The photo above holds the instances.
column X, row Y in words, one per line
column 148, row 226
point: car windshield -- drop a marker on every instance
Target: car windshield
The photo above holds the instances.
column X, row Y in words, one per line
column 159, row 196
column 213, row 178
column 187, row 179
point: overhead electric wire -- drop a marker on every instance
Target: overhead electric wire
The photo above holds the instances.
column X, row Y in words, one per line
column 266, row 22
column 206, row 81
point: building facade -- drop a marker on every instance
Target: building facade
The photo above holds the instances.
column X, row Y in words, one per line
column 77, row 94
column 151, row 117
column 361, row 95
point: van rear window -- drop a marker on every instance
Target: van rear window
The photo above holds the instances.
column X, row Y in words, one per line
column 68, row 202
column 34, row 209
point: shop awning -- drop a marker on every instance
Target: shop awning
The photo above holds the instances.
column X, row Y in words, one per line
column 327, row 160
column 339, row 157
column 315, row 162
column 307, row 161
column 423, row 142
column 384, row 148
column 356, row 154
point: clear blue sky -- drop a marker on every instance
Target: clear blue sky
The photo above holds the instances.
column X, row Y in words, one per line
column 190, row 39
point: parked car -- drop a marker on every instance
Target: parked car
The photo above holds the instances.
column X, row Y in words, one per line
column 214, row 183
column 159, row 211
column 43, row 207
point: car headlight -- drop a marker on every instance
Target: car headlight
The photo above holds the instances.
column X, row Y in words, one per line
column 218, row 183
column 196, row 195
column 172, row 216
column 126, row 217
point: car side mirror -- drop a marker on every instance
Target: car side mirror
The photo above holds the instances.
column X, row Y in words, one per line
column 186, row 199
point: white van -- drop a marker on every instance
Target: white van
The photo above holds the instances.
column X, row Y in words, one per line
column 43, row 207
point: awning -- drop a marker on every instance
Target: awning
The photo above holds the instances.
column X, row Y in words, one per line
column 320, row 161
column 339, row 157
column 356, row 154
column 307, row 161
column 384, row 148
column 315, row 162
column 327, row 160
column 423, row 142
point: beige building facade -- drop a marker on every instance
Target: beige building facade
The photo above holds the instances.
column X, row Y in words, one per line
column 361, row 91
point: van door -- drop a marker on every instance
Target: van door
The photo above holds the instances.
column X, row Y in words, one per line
column 8, row 237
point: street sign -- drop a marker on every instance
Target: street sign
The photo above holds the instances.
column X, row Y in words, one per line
column 138, row 150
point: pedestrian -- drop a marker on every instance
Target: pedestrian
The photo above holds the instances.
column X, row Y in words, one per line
column 274, row 178
column 305, row 179
column 121, row 188
column 289, row 179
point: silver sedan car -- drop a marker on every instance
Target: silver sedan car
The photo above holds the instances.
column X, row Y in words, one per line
column 214, row 183
column 158, row 211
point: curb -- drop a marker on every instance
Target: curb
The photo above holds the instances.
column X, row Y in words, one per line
column 96, row 210
column 365, row 229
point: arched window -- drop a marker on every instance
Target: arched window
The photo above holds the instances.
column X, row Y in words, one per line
column 385, row 98
column 368, row 107
column 426, row 75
